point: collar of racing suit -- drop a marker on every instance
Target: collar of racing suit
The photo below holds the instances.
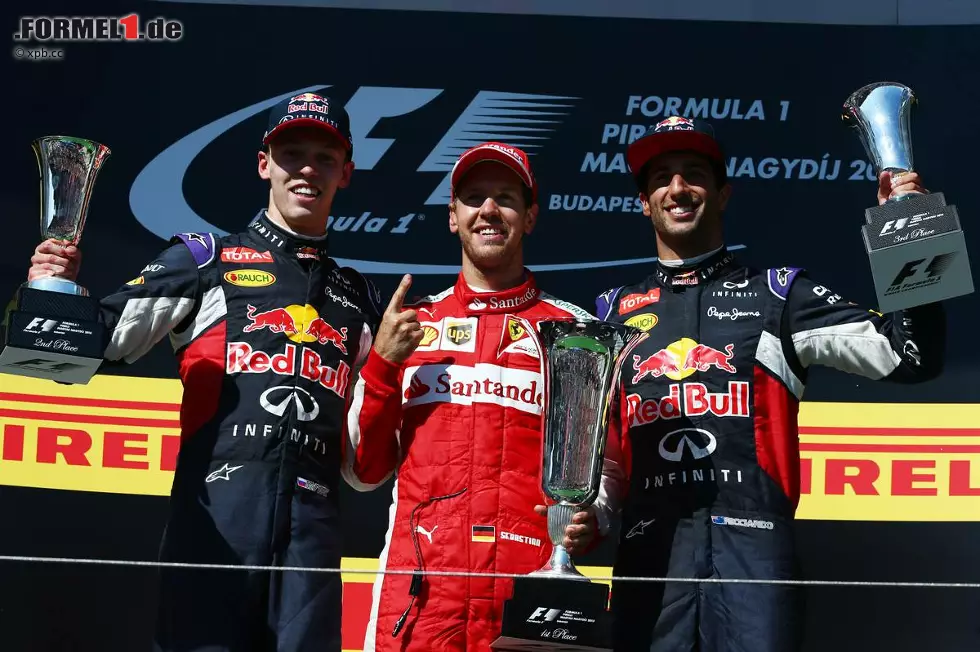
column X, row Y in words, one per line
column 267, row 231
column 680, row 277
column 483, row 302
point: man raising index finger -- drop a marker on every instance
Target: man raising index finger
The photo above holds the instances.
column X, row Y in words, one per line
column 454, row 409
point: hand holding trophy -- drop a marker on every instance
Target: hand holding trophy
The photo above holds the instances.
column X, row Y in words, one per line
column 556, row 607
column 914, row 241
column 52, row 329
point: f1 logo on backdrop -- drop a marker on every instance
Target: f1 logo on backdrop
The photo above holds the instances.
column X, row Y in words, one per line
column 524, row 120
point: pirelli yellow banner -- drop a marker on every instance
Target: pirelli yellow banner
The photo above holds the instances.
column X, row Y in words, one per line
column 860, row 461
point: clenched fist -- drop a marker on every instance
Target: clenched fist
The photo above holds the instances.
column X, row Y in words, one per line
column 400, row 333
column 580, row 533
column 893, row 185
column 55, row 258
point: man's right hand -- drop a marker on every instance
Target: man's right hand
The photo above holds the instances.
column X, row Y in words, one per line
column 400, row 333
column 55, row 258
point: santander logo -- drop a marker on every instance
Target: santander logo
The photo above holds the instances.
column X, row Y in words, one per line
column 481, row 383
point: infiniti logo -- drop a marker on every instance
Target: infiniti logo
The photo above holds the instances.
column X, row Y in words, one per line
column 276, row 400
column 672, row 447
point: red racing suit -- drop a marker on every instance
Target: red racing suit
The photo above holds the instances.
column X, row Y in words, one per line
column 460, row 421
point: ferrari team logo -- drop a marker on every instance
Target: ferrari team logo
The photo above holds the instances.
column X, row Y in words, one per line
column 515, row 338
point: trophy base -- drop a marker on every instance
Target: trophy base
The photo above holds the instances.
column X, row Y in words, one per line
column 560, row 565
column 53, row 335
column 547, row 614
column 56, row 284
column 917, row 252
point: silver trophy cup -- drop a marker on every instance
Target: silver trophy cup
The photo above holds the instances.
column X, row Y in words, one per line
column 68, row 167
column 880, row 113
column 581, row 361
column 914, row 241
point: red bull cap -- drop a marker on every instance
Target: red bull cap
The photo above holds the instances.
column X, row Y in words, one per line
column 514, row 158
column 674, row 134
column 310, row 109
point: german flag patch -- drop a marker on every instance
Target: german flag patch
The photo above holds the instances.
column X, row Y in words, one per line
column 484, row 533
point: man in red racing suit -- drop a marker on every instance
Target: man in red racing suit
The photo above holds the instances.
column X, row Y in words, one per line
column 457, row 411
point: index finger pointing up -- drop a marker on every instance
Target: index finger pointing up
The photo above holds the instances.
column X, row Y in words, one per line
column 398, row 297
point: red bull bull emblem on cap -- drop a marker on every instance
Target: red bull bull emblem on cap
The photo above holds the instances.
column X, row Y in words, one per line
column 675, row 123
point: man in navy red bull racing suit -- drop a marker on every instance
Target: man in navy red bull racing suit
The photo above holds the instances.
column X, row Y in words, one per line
column 267, row 331
column 709, row 408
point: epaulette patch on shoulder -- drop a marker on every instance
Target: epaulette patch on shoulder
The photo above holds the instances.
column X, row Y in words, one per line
column 201, row 245
column 781, row 279
column 605, row 303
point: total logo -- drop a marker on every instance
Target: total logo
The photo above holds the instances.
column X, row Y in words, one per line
column 635, row 301
column 481, row 383
column 682, row 358
column 689, row 400
column 298, row 323
column 245, row 255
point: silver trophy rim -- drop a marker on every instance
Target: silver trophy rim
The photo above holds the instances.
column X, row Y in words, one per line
column 99, row 155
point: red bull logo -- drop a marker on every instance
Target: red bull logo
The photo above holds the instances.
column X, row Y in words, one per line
column 682, row 358
column 241, row 358
column 298, row 323
column 308, row 97
column 277, row 320
column 324, row 333
column 690, row 400
column 675, row 122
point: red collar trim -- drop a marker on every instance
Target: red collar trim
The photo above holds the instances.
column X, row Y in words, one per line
column 484, row 303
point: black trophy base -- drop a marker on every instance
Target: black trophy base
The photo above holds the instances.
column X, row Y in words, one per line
column 917, row 252
column 53, row 336
column 555, row 616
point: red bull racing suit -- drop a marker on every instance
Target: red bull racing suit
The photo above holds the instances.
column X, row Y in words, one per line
column 460, row 424
column 266, row 329
column 708, row 410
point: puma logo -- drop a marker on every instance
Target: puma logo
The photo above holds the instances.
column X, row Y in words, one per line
column 428, row 535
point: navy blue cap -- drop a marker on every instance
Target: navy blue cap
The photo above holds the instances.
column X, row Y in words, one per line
column 672, row 135
column 310, row 109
